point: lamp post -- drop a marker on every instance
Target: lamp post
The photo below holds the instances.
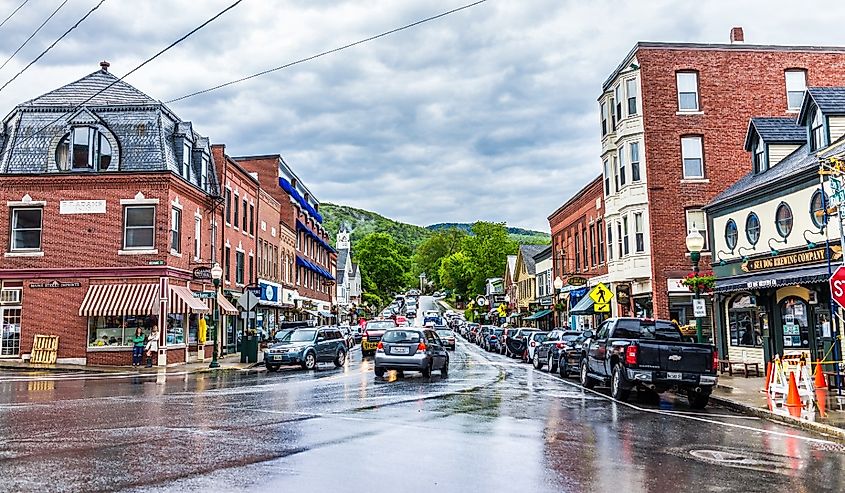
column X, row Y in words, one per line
column 558, row 285
column 695, row 243
column 216, row 275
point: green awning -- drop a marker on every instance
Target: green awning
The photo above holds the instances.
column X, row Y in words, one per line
column 538, row 315
column 583, row 307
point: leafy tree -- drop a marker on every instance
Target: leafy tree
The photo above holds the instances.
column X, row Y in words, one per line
column 456, row 272
column 487, row 250
column 431, row 252
column 384, row 264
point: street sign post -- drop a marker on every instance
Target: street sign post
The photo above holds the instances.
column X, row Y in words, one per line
column 601, row 297
column 837, row 286
column 204, row 294
column 248, row 300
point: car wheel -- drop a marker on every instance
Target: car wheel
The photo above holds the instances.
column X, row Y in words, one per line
column 340, row 360
column 563, row 367
column 310, row 361
column 552, row 364
column 444, row 372
column 537, row 363
column 379, row 371
column 426, row 372
column 586, row 381
column 272, row 368
column 698, row 400
column 618, row 388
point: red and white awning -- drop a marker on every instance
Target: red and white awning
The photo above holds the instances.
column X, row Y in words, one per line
column 120, row 299
column 182, row 301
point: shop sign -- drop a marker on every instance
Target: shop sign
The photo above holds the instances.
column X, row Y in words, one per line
column 54, row 284
column 82, row 207
column 202, row 274
column 204, row 295
column 623, row 294
column 155, row 262
column 545, row 301
column 785, row 260
column 576, row 281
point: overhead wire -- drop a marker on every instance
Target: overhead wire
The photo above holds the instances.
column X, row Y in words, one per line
column 34, row 33
column 327, row 52
column 13, row 13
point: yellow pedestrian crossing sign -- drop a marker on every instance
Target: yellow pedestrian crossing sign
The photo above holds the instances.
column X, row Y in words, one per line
column 601, row 296
column 601, row 308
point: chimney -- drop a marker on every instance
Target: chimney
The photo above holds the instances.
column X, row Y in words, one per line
column 737, row 35
column 104, row 66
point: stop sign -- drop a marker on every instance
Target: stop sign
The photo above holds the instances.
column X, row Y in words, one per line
column 837, row 286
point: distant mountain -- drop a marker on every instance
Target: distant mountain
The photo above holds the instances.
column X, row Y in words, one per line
column 362, row 222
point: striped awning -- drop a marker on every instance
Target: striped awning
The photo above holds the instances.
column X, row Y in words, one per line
column 183, row 301
column 226, row 308
column 120, row 299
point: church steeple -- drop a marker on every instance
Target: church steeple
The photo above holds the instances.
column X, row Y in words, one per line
column 343, row 239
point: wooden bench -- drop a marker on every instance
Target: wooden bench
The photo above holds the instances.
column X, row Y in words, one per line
column 726, row 364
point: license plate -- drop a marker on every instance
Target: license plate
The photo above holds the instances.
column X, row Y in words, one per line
column 277, row 357
column 399, row 350
column 675, row 376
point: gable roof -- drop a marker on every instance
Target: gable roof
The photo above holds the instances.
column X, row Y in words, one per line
column 830, row 100
column 77, row 92
column 528, row 252
column 775, row 130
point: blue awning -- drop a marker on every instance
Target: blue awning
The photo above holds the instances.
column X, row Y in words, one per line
column 540, row 314
column 583, row 307
column 313, row 267
column 302, row 227
column 287, row 187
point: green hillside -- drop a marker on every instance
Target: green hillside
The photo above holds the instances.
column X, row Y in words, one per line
column 519, row 235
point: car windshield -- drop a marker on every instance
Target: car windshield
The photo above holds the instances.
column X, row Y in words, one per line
column 570, row 337
column 298, row 336
column 282, row 334
column 444, row 333
column 381, row 324
column 647, row 329
column 540, row 336
column 400, row 336
column 497, row 332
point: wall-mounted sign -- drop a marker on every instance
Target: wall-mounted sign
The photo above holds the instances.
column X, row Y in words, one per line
column 803, row 257
column 202, row 274
column 54, row 284
column 623, row 294
column 576, row 281
column 82, row 207
column 546, row 301
column 205, row 295
column 155, row 262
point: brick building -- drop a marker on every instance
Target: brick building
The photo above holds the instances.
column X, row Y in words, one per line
column 673, row 122
column 578, row 249
column 108, row 204
column 314, row 263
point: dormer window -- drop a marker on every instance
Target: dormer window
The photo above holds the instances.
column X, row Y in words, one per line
column 84, row 149
column 818, row 139
column 186, row 161
column 760, row 164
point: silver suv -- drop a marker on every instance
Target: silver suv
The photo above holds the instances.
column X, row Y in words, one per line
column 411, row 349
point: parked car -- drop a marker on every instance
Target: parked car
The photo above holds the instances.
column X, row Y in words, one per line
column 373, row 330
column 481, row 334
column 347, row 335
column 548, row 352
column 510, row 337
column 492, row 340
column 648, row 354
column 533, row 339
column 410, row 349
column 569, row 359
column 447, row 336
column 357, row 333
column 306, row 347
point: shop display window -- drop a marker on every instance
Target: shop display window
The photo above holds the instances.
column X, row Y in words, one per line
column 744, row 322
column 117, row 330
column 193, row 328
column 796, row 328
column 175, row 329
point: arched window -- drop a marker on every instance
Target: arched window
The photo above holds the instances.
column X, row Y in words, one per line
column 731, row 234
column 752, row 228
column 783, row 219
column 84, row 149
column 744, row 321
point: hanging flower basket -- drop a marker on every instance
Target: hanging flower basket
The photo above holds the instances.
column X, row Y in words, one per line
column 559, row 307
column 705, row 281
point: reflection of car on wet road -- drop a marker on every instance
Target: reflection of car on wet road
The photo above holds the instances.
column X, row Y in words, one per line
column 373, row 331
column 447, row 336
column 648, row 354
column 411, row 350
column 306, row 347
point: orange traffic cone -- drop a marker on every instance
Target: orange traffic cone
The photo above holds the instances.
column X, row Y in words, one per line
column 793, row 400
column 820, row 382
column 768, row 375
column 821, row 401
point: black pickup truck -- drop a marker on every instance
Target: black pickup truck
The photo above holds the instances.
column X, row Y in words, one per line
column 632, row 352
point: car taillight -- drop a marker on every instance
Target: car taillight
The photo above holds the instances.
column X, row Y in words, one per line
column 366, row 334
column 631, row 355
column 533, row 344
column 493, row 337
column 380, row 346
column 421, row 347
column 715, row 360
column 560, row 345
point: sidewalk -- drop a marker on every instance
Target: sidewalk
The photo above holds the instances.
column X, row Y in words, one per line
column 747, row 395
column 229, row 362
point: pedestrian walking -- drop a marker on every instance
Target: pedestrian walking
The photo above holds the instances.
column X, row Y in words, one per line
column 138, row 342
column 152, row 347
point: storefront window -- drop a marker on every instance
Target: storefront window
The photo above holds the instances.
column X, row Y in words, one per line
column 744, row 322
column 193, row 328
column 796, row 329
column 117, row 330
column 175, row 329
column 643, row 307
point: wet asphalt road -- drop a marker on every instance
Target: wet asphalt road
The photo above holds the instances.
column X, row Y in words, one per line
column 493, row 425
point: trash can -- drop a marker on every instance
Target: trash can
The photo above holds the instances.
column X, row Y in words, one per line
column 249, row 349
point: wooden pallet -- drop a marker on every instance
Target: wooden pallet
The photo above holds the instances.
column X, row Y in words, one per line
column 44, row 349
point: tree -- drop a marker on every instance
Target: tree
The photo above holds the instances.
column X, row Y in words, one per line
column 431, row 252
column 456, row 273
column 384, row 264
column 487, row 250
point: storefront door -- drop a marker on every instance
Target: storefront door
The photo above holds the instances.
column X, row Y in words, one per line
column 796, row 325
column 10, row 336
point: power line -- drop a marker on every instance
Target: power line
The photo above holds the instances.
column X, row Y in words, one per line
column 14, row 12
column 53, row 44
column 148, row 60
column 34, row 33
column 328, row 52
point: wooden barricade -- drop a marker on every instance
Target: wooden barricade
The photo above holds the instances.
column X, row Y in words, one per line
column 44, row 349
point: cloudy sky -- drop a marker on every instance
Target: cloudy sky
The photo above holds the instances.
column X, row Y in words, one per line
column 489, row 113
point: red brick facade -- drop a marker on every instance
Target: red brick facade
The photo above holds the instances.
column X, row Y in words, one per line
column 581, row 217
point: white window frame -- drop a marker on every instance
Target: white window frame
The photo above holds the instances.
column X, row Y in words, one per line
column 603, row 111
column 12, row 229
column 635, row 163
column 687, row 83
column 126, row 228
column 176, row 227
column 607, row 190
column 204, row 173
column 631, row 94
column 692, row 148
column 622, row 178
column 795, row 85
column 186, row 161
column 197, row 237
column 702, row 228
column 617, row 96
column 639, row 232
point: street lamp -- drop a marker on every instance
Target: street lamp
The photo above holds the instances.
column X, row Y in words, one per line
column 216, row 275
column 695, row 244
column 558, row 285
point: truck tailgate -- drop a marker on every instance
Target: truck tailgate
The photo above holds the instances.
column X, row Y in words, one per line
column 675, row 356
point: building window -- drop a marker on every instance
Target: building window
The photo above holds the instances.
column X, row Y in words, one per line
column 687, row 91
column 600, row 233
column 139, row 227
column 692, row 155
column 245, row 224
column 817, row 209
column 606, row 177
column 235, row 215
column 26, row 229
column 619, row 238
column 818, row 138
column 612, row 114
column 622, row 166
column 175, row 230
column 204, row 173
column 228, row 206
column 213, row 241
column 625, row 235
column 239, row 267
column 760, row 157
column 118, row 330
column 783, row 219
column 752, row 228
column 616, row 172
column 84, row 149
column 617, row 95
column 10, row 320
column 197, row 238
column 696, row 221
column 744, row 321
column 631, row 92
column 577, row 256
column 635, row 161
column 251, row 269
column 186, row 161
column 609, row 241
column 593, row 245
column 227, row 263
column 796, row 84
column 585, row 247
column 639, row 232
column 731, row 235
column 603, row 118
column 252, row 219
